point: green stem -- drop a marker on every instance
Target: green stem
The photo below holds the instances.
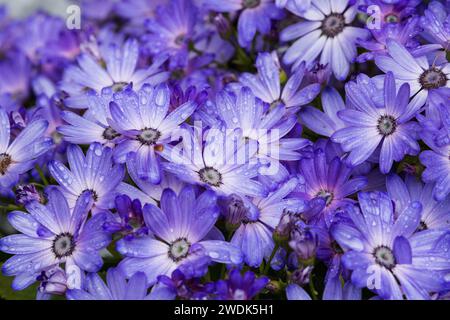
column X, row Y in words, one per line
column 274, row 251
column 312, row 289
column 10, row 207
column 41, row 175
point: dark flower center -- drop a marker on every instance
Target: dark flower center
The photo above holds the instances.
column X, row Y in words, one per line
column 391, row 18
column 326, row 195
column 63, row 245
column 179, row 249
column 384, row 257
column 118, row 86
column 432, row 78
column 94, row 194
column 251, row 3
column 386, row 125
column 210, row 176
column 5, row 161
column 149, row 136
column 422, row 226
column 110, row 133
column 333, row 24
column 179, row 40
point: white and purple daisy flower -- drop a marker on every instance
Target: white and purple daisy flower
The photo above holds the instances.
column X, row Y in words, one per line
column 330, row 180
column 94, row 172
column 435, row 214
column 262, row 215
column 51, row 235
column 93, row 126
column 385, row 254
column 142, row 118
column 326, row 32
column 255, row 16
column 417, row 71
column 18, row 156
column 221, row 163
column 266, row 84
column 117, row 288
column 368, row 126
column 183, row 222
column 172, row 31
column 117, row 69
column 437, row 163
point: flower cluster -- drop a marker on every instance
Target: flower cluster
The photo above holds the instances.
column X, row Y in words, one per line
column 227, row 149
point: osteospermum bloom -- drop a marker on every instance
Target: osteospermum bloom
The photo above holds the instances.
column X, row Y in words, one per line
column 324, row 122
column 116, row 288
column 435, row 22
column 326, row 32
column 146, row 126
column 437, row 163
column 240, row 287
column 254, row 235
column 383, row 252
column 421, row 76
column 331, row 181
column 256, row 16
column 266, row 84
column 368, row 126
column 268, row 127
column 435, row 214
column 53, row 234
column 19, row 156
column 182, row 223
column 171, row 31
column 94, row 172
column 93, row 126
column 224, row 170
column 119, row 71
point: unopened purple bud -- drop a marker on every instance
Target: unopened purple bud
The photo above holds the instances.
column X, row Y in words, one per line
column 53, row 281
column 304, row 241
column 319, row 73
column 301, row 276
column 26, row 194
column 223, row 26
column 235, row 210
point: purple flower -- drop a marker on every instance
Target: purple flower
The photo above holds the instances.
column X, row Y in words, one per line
column 116, row 287
column 119, row 71
column 403, row 33
column 437, row 168
column 329, row 180
column 385, row 254
column 171, row 31
column 182, row 222
column 436, row 23
column 219, row 168
column 327, row 122
column 52, row 235
column 435, row 214
column 256, row 16
column 240, row 287
column 266, row 84
column 52, row 282
column 304, row 241
column 93, row 126
column 130, row 219
column 146, row 128
column 325, row 32
column 19, row 156
column 369, row 126
column 254, row 236
column 94, row 172
column 422, row 77
column 26, row 194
